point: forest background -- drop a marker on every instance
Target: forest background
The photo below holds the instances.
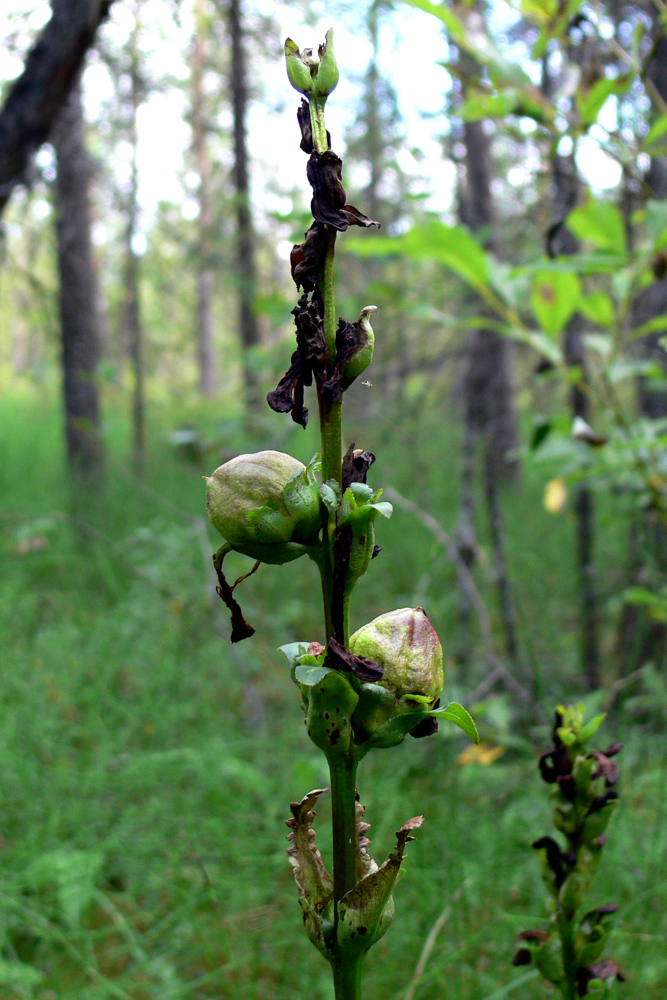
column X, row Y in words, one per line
column 515, row 155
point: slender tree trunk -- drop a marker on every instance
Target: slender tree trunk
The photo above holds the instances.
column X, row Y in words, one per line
column 37, row 96
column 200, row 145
column 566, row 187
column 132, row 323
column 489, row 402
column 246, row 267
column 78, row 294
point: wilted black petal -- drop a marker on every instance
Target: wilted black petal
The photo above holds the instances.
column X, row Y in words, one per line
column 306, row 258
column 357, row 218
column 325, row 176
column 356, row 463
column 339, row 657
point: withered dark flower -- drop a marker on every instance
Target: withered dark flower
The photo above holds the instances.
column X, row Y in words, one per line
column 606, row 969
column 356, row 463
column 306, row 259
column 324, row 172
column 308, row 359
column 339, row 657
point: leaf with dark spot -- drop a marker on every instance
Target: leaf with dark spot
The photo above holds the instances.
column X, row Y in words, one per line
column 312, row 878
column 342, row 550
column 339, row 657
column 240, row 627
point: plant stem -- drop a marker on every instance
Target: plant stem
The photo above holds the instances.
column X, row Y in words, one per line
column 343, row 771
column 566, row 931
column 347, row 979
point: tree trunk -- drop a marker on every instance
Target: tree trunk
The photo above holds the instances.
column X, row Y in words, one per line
column 489, row 402
column 246, row 269
column 200, row 146
column 41, row 91
column 132, row 324
column 78, row 294
column 567, row 188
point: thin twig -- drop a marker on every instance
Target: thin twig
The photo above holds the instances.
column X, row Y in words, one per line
column 469, row 587
column 431, row 939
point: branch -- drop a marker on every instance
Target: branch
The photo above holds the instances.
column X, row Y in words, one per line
column 38, row 94
column 497, row 670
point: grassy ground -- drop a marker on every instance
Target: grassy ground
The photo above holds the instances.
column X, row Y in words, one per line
column 147, row 766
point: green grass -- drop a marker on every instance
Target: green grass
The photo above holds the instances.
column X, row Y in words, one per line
column 147, row 766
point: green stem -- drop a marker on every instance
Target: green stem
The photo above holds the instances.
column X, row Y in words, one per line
column 347, row 979
column 320, row 141
column 343, row 772
column 566, row 931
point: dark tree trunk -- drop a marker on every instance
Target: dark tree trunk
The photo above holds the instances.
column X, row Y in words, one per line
column 246, row 268
column 205, row 275
column 78, row 293
column 566, row 192
column 39, row 93
column 132, row 324
column 488, row 397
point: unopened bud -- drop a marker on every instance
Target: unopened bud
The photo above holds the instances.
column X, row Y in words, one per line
column 265, row 498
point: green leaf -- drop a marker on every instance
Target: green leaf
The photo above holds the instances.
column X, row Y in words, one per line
column 294, row 650
column 459, row 716
column 330, row 497
column 384, row 508
column 591, row 728
column 309, row 674
column 20, row 977
column 590, row 103
column 451, row 246
column 598, row 307
column 554, row 299
column 599, row 223
column 656, row 218
column 650, row 326
column 656, row 131
column 362, row 491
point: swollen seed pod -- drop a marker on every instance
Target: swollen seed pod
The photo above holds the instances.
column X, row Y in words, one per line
column 266, row 498
column 407, row 646
column 312, row 75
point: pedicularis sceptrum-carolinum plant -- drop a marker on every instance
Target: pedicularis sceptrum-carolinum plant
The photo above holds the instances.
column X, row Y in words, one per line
column 568, row 949
column 362, row 692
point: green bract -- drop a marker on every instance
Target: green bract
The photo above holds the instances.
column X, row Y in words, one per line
column 266, row 498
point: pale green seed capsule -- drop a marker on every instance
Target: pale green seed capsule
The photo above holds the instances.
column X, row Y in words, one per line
column 407, row 646
column 298, row 71
column 327, row 74
column 263, row 498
